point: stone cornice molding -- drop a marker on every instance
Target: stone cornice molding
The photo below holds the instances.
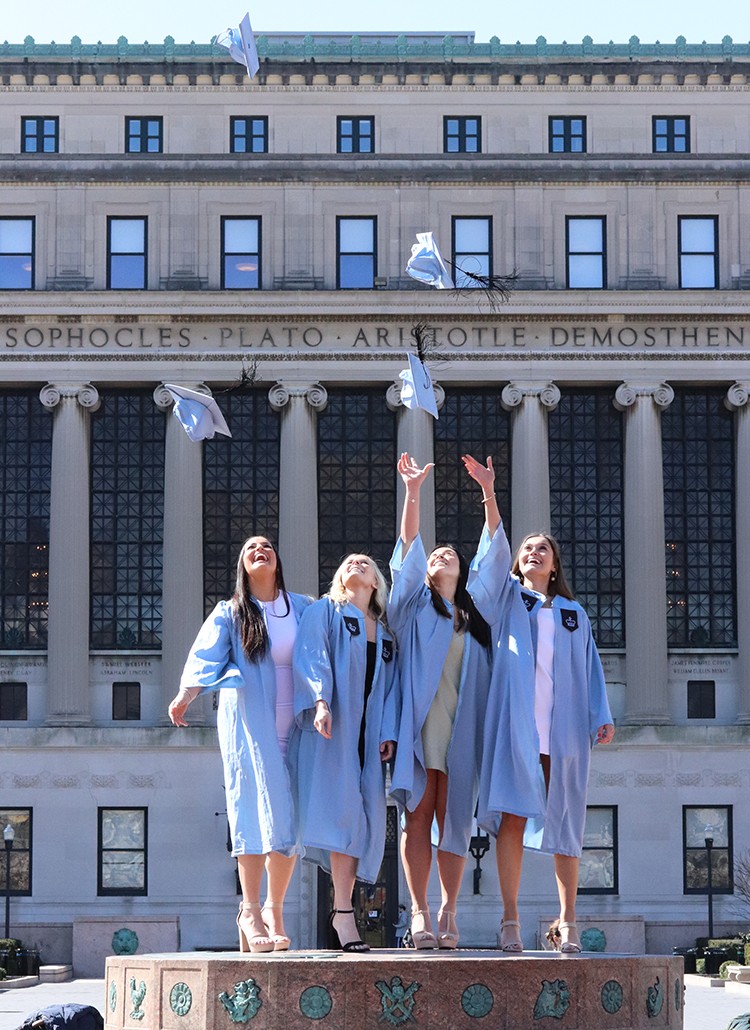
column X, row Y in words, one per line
column 164, row 400
column 393, row 395
column 737, row 396
column 627, row 394
column 514, row 394
column 84, row 393
column 315, row 394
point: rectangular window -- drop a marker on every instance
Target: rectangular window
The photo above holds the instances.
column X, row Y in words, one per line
column 472, row 250
column 126, row 253
column 698, row 252
column 356, row 253
column 240, row 254
column 122, row 851
column 586, row 253
column 248, row 135
column 670, row 135
column 16, row 253
column 20, row 853
column 144, row 135
column 355, row 135
column 462, row 135
column 40, row 135
column 567, row 135
column 14, row 701
column 701, row 699
column 704, row 829
column 126, row 702
column 597, row 871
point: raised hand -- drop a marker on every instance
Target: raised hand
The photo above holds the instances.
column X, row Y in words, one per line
column 412, row 475
column 482, row 474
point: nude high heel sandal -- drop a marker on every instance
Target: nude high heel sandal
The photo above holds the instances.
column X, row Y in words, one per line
column 448, row 939
column 570, row 943
column 280, row 940
column 424, row 939
column 248, row 919
column 510, row 939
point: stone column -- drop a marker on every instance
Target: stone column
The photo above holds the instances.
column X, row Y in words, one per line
column 530, row 503
column 415, row 435
column 298, row 481
column 737, row 401
column 182, row 560
column 646, row 699
column 68, row 696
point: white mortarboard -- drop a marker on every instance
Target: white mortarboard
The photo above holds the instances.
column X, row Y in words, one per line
column 198, row 413
column 416, row 391
column 426, row 264
column 241, row 46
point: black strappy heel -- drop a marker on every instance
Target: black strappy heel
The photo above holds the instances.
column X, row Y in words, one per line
column 350, row 946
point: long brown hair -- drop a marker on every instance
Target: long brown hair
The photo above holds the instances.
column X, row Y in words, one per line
column 252, row 625
column 557, row 585
column 468, row 616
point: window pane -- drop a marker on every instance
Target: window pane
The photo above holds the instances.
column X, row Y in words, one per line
column 597, row 869
column 356, row 235
column 585, row 271
column 127, row 273
column 15, row 235
column 15, row 273
column 123, row 828
column 123, row 869
column 707, row 822
column 697, row 271
column 241, row 235
column 241, row 272
column 356, row 271
column 477, row 264
column 471, row 234
column 598, row 831
column 585, row 234
column 127, row 235
column 697, row 235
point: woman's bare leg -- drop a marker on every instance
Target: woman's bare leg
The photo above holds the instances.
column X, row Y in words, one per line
column 250, row 869
column 343, row 874
column 279, row 869
column 416, row 850
column 450, row 866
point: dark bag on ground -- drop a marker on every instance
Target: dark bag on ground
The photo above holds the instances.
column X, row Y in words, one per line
column 64, row 1017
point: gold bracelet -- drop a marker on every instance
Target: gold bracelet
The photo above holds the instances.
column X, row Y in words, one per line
column 490, row 498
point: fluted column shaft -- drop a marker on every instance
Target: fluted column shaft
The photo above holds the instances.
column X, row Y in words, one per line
column 530, row 404
column 182, row 561
column 68, row 697
column 415, row 435
column 737, row 401
column 299, row 404
column 646, row 699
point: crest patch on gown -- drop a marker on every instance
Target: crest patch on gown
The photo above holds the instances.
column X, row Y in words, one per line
column 387, row 651
column 352, row 625
column 529, row 600
column 569, row 619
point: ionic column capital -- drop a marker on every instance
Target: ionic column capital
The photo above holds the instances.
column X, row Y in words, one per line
column 514, row 394
column 627, row 394
column 84, row 393
column 315, row 395
column 164, row 400
column 737, row 396
column 393, row 395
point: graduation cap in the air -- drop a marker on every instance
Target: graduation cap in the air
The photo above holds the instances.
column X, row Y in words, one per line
column 199, row 414
column 426, row 264
column 416, row 387
column 240, row 43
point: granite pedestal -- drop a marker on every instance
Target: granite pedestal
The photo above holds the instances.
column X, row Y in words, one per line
column 439, row 990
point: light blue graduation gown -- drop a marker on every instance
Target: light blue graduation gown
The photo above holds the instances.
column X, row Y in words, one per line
column 341, row 806
column 511, row 778
column 424, row 638
column 256, row 778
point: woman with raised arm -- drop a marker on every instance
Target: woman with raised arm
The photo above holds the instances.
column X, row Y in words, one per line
column 444, row 660
column 548, row 707
column 244, row 650
column 347, row 706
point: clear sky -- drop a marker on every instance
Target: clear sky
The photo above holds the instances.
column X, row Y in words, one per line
column 187, row 20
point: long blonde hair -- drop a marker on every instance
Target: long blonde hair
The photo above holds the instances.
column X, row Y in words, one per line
column 379, row 597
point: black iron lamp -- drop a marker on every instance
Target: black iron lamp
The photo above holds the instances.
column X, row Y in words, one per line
column 9, row 835
column 479, row 845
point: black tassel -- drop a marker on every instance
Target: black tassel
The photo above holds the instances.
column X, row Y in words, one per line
column 248, row 378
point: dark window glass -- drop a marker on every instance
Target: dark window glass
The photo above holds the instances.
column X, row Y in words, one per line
column 16, row 253
column 240, row 487
column 698, row 252
column 701, row 699
column 714, row 824
column 143, row 135
column 462, row 135
column 356, row 485
column 126, row 701
column 122, row 851
column 25, row 457
column 472, row 250
column 126, row 253
column 240, row 254
column 127, row 508
column 355, row 135
column 698, row 450
column 597, row 871
column 20, row 855
column 356, row 253
column 670, row 135
column 14, row 701
column 586, row 498
column 39, row 135
column 586, row 253
column 248, row 135
column 567, row 135
column 471, row 422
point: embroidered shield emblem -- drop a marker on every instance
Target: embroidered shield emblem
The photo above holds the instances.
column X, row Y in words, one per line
column 569, row 619
column 529, row 600
column 352, row 625
column 387, row 650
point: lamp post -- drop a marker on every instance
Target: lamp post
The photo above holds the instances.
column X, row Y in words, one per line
column 710, row 885
column 479, row 845
column 9, row 835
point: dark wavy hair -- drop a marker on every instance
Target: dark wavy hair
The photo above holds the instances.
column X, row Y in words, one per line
column 252, row 626
column 558, row 585
column 468, row 616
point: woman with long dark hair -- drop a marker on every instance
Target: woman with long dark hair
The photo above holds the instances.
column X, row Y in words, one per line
column 444, row 660
column 244, row 650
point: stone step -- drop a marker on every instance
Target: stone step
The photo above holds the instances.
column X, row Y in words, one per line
column 55, row 974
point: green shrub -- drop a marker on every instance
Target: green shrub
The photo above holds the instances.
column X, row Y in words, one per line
column 3, row 974
column 724, row 968
column 700, row 965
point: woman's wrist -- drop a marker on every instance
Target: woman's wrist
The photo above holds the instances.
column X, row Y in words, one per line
column 323, row 704
column 486, row 499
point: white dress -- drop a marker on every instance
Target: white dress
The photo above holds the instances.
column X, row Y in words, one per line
column 282, row 630
column 544, row 686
